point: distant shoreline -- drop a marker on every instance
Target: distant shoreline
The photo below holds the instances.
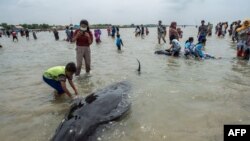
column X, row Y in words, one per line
column 46, row 27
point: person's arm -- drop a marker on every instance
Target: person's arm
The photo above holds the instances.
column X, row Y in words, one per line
column 177, row 35
column 158, row 29
column 165, row 30
column 90, row 37
column 63, row 84
column 169, row 49
column 76, row 35
column 73, row 86
column 170, row 31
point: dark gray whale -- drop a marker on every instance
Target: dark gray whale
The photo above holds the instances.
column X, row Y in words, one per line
column 86, row 114
column 163, row 52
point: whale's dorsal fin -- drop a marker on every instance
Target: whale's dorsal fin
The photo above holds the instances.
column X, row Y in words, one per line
column 139, row 67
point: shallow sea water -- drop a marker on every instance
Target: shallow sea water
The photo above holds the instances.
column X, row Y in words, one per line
column 172, row 98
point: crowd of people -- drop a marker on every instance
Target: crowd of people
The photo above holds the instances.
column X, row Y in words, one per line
column 83, row 38
column 191, row 50
column 141, row 30
column 14, row 34
column 239, row 33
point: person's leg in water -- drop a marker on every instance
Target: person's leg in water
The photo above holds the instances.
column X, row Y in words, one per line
column 176, row 52
column 79, row 57
column 159, row 38
column 142, row 36
column 197, row 54
column 163, row 38
column 118, row 47
column 187, row 53
column 247, row 54
column 87, row 58
column 240, row 48
column 54, row 84
column 200, row 38
column 15, row 37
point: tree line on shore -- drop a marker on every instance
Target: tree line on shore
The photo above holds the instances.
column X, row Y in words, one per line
column 47, row 26
column 29, row 26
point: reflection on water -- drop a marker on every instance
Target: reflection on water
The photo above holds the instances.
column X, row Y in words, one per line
column 172, row 99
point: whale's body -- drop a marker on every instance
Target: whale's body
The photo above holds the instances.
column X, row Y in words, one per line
column 86, row 114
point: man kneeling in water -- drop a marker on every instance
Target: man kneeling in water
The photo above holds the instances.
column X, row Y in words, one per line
column 175, row 48
column 56, row 77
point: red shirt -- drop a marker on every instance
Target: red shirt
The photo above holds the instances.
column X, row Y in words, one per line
column 83, row 40
column 13, row 33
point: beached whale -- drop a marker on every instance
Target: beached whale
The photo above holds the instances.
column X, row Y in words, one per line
column 164, row 52
column 86, row 114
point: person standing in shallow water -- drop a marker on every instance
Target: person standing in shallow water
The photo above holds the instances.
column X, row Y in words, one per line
column 117, row 30
column 83, row 38
column 173, row 33
column 137, row 31
column 56, row 34
column 113, row 31
column 27, row 34
column 109, row 30
column 8, row 33
column 71, row 34
column 161, row 31
column 147, row 32
column 202, row 32
column 34, row 35
column 14, row 35
column 67, row 31
column 142, row 31
column 119, row 42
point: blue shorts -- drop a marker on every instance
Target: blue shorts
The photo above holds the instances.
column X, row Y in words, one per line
column 54, row 84
column 201, row 37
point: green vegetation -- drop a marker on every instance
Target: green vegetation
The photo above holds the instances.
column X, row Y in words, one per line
column 94, row 26
column 29, row 26
column 6, row 26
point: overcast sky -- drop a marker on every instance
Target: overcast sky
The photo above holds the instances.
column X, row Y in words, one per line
column 122, row 11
